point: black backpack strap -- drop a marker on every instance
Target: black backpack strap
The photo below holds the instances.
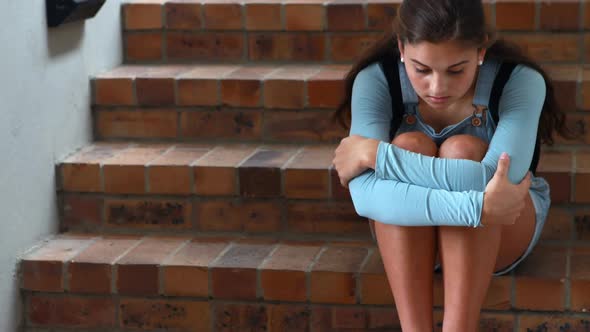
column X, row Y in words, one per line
column 501, row 78
column 390, row 69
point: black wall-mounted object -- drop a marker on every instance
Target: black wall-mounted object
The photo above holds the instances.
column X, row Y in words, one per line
column 64, row 11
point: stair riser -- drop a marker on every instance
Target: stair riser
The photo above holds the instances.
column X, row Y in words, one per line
column 312, row 47
column 325, row 31
column 276, row 218
column 120, row 314
column 219, row 126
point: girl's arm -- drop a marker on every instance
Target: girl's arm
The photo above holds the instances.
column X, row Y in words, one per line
column 519, row 112
column 391, row 201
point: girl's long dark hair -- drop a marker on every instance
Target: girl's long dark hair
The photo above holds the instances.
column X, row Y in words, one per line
column 437, row 21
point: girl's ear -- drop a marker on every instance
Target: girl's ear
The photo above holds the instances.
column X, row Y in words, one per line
column 400, row 46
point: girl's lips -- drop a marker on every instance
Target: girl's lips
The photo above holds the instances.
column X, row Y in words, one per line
column 439, row 99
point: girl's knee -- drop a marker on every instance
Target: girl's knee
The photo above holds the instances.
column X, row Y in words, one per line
column 416, row 141
column 463, row 147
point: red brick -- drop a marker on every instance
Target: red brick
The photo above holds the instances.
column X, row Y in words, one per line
column 238, row 216
column 171, row 173
column 242, row 87
column 309, row 126
column 216, row 172
column 222, row 124
column 308, row 174
column 156, row 214
column 546, row 47
column 381, row 15
column 143, row 46
column 263, row 16
column 582, row 178
column 540, row 280
column 206, row 46
column 180, row 15
column 383, row 318
column 333, row 276
column 200, row 86
column 326, row 88
column 288, row 265
column 375, row 287
column 552, row 322
column 304, row 16
column 349, row 318
column 136, row 124
column 582, row 225
column 288, row 317
column 496, row 322
column 555, row 162
column 42, row 269
column 558, row 225
column 560, row 16
column 286, row 47
column 156, row 87
column 585, row 91
column 91, row 270
column 260, row 174
column 137, row 271
column 348, row 47
column 113, row 91
column 233, row 275
column 142, row 16
column 125, row 172
column 285, row 88
column 241, row 317
column 580, row 295
column 187, row 274
column 515, row 15
column 566, row 95
column 343, row 16
column 560, row 184
column 337, row 218
column 165, row 314
column 81, row 170
column 81, row 211
column 580, row 279
column 222, row 16
column 72, row 312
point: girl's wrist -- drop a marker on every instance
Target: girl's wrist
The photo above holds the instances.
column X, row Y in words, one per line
column 370, row 158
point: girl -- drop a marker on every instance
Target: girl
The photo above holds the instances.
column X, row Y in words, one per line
column 428, row 88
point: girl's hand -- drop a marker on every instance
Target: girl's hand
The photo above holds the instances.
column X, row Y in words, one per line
column 504, row 201
column 354, row 155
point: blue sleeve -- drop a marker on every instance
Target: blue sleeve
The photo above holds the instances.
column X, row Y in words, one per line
column 519, row 112
column 392, row 201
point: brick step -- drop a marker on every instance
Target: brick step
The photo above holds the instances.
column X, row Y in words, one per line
column 208, row 284
column 323, row 30
column 257, row 103
column 280, row 191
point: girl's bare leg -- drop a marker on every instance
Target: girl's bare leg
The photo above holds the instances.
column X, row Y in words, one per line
column 470, row 255
column 408, row 255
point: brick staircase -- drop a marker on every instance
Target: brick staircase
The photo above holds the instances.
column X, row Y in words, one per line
column 208, row 201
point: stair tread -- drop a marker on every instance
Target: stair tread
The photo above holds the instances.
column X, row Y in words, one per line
column 291, row 71
column 230, row 256
column 298, row 156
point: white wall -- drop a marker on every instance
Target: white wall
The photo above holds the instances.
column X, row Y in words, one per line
column 44, row 115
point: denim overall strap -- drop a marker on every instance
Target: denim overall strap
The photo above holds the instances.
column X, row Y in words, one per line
column 485, row 82
column 409, row 96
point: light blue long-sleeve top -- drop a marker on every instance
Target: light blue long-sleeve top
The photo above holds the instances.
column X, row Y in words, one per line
column 412, row 189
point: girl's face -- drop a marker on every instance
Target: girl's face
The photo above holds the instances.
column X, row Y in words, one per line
column 442, row 74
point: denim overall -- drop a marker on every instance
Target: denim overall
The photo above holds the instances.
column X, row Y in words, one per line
column 480, row 124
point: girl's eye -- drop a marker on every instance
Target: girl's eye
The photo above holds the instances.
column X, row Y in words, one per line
column 424, row 71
